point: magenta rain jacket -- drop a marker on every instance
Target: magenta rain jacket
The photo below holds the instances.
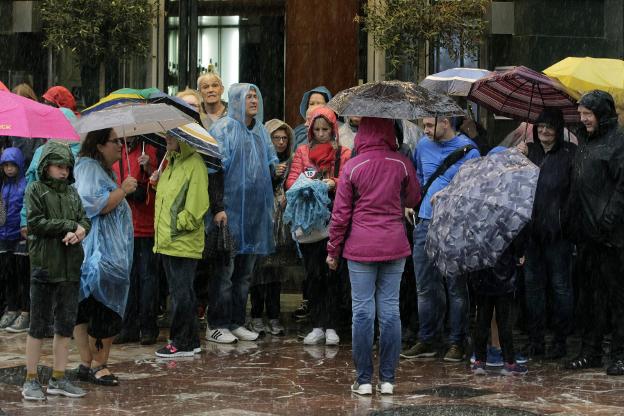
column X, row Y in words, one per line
column 375, row 186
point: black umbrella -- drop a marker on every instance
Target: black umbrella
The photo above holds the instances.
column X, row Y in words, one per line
column 393, row 99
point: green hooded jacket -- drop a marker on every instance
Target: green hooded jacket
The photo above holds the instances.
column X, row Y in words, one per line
column 54, row 209
column 181, row 203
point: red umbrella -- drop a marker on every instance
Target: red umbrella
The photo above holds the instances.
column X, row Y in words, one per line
column 522, row 93
column 3, row 87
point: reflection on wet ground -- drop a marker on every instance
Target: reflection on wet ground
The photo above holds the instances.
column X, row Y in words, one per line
column 281, row 376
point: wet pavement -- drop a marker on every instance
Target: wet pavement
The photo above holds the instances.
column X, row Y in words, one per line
column 278, row 375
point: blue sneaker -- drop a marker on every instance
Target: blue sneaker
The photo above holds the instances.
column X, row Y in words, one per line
column 478, row 368
column 514, row 369
column 494, row 357
column 521, row 359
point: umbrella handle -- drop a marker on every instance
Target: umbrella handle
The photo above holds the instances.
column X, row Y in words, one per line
column 127, row 156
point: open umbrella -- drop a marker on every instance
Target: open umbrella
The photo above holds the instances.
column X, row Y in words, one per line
column 454, row 81
column 477, row 216
column 179, row 103
column 196, row 136
column 522, row 94
column 586, row 74
column 393, row 99
column 133, row 119
column 23, row 117
column 3, row 87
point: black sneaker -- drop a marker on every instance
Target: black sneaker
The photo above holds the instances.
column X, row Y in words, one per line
column 584, row 361
column 616, row 368
column 170, row 351
column 303, row 311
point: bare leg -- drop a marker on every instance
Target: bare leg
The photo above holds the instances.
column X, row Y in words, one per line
column 101, row 357
column 33, row 353
column 494, row 329
column 82, row 342
column 60, row 347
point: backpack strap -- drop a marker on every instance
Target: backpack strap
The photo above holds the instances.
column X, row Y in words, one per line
column 450, row 160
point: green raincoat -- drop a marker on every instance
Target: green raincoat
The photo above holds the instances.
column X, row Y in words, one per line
column 181, row 203
column 54, row 209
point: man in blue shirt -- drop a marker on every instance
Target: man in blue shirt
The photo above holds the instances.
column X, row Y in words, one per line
column 440, row 141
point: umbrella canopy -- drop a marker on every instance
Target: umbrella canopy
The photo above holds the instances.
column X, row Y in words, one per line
column 179, row 103
column 393, row 99
column 455, row 81
column 23, row 117
column 196, row 136
column 133, row 119
column 307, row 205
column 3, row 87
column 522, row 94
column 477, row 216
column 586, row 74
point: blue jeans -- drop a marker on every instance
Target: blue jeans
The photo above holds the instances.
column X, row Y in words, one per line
column 432, row 295
column 229, row 290
column 375, row 286
column 548, row 264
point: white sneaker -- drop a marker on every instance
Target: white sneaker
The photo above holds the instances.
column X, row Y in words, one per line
column 244, row 334
column 220, row 335
column 385, row 388
column 362, row 389
column 316, row 336
column 257, row 325
column 331, row 337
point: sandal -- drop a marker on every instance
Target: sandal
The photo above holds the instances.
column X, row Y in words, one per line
column 107, row 380
column 83, row 373
column 584, row 361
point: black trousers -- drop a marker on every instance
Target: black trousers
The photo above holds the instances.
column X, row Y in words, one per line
column 267, row 296
column 323, row 285
column 485, row 310
column 16, row 279
column 601, row 295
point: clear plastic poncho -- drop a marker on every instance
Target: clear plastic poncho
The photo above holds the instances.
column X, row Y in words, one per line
column 247, row 157
column 108, row 248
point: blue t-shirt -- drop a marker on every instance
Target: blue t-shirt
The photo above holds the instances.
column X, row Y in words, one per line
column 428, row 156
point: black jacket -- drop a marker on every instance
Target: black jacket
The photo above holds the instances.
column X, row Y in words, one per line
column 550, row 213
column 598, row 177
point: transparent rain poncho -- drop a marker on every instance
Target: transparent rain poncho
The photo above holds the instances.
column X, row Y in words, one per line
column 247, row 157
column 108, row 248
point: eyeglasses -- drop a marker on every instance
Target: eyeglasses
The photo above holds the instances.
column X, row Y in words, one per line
column 116, row 141
column 279, row 138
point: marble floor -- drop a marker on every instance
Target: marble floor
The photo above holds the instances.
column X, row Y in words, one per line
column 280, row 376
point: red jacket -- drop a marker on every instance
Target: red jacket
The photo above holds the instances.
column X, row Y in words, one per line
column 375, row 186
column 143, row 212
column 301, row 160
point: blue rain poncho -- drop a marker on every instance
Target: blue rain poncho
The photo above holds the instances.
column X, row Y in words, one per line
column 108, row 248
column 307, row 207
column 248, row 155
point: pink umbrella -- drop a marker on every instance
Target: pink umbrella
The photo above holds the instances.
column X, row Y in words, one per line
column 23, row 117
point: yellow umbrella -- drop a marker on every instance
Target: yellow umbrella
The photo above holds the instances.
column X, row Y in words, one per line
column 586, row 74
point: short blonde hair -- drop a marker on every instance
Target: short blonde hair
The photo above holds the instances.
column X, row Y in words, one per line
column 207, row 76
column 195, row 94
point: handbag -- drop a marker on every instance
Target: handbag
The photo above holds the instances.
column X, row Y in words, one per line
column 219, row 243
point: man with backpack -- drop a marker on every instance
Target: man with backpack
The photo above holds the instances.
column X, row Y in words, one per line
column 437, row 158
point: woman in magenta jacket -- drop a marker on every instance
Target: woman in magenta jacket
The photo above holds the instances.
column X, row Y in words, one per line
column 367, row 229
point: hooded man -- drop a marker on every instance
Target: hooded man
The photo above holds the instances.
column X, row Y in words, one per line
column 249, row 161
column 549, row 252
column 598, row 204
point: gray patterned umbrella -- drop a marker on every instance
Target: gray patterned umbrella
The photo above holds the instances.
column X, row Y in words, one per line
column 481, row 211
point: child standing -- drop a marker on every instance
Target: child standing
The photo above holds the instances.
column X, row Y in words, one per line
column 56, row 225
column 13, row 265
column 322, row 159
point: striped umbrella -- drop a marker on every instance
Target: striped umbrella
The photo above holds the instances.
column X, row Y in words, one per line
column 522, row 93
column 454, row 81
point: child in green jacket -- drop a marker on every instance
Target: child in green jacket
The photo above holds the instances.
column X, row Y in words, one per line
column 56, row 225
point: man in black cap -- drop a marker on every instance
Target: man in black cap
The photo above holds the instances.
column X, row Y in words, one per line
column 597, row 202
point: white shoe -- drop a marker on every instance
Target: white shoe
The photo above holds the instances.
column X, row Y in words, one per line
column 257, row 325
column 316, row 336
column 331, row 337
column 220, row 335
column 362, row 389
column 244, row 334
column 385, row 388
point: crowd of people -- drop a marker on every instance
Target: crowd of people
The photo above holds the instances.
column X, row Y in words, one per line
column 88, row 229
